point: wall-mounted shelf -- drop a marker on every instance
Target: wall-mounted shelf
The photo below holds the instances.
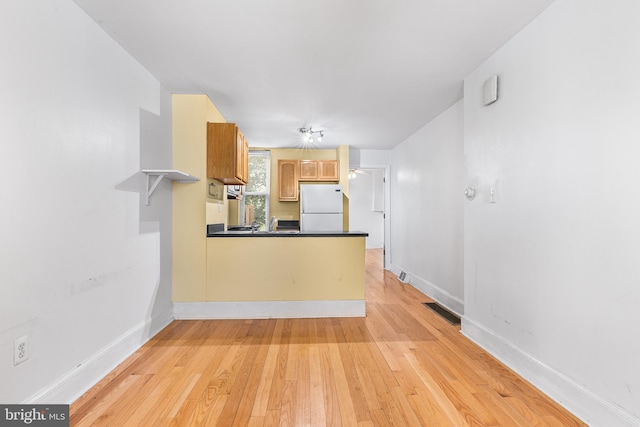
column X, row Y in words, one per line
column 170, row 174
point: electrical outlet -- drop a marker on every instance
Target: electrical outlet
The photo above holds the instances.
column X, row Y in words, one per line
column 20, row 350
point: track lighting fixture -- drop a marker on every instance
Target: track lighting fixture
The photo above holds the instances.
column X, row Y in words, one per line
column 308, row 134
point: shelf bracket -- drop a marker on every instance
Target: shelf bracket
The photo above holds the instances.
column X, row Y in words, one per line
column 151, row 189
column 159, row 174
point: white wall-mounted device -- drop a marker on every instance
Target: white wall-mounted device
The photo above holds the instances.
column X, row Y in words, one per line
column 470, row 193
column 490, row 90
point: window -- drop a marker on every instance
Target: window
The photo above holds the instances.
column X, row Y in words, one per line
column 255, row 203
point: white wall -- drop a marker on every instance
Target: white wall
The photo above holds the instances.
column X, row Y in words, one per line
column 427, row 181
column 80, row 264
column 362, row 217
column 552, row 269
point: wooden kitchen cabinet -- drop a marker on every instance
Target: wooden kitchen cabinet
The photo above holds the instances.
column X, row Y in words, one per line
column 308, row 170
column 227, row 154
column 291, row 172
column 288, row 176
column 242, row 159
column 319, row 170
column 328, row 170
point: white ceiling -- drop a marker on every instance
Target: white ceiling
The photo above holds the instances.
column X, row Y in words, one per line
column 368, row 72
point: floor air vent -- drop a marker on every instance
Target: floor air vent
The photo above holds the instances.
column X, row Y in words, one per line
column 402, row 276
column 443, row 312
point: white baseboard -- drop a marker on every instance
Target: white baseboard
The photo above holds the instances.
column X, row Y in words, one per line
column 442, row 297
column 579, row 400
column 76, row 382
column 268, row 309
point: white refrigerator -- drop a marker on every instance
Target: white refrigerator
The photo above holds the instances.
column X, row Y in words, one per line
column 320, row 207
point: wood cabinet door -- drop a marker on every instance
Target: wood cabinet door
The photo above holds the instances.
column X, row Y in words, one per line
column 288, row 180
column 328, row 170
column 308, row 170
column 227, row 154
column 221, row 151
column 240, row 168
column 244, row 160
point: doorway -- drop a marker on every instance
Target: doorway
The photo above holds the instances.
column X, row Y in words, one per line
column 368, row 206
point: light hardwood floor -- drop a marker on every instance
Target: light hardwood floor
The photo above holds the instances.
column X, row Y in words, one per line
column 401, row 365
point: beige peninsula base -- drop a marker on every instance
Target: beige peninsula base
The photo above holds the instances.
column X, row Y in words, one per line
column 281, row 276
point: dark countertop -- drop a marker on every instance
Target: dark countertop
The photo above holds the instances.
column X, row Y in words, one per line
column 288, row 233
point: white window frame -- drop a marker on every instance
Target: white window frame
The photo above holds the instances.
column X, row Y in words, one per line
column 266, row 193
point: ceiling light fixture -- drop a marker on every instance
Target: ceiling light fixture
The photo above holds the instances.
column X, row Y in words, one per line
column 308, row 134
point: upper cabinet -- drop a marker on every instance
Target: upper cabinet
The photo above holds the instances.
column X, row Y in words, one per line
column 291, row 172
column 319, row 170
column 288, row 180
column 308, row 170
column 227, row 154
column 328, row 170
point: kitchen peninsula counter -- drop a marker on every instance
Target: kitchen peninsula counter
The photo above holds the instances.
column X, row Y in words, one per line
column 288, row 233
column 280, row 275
